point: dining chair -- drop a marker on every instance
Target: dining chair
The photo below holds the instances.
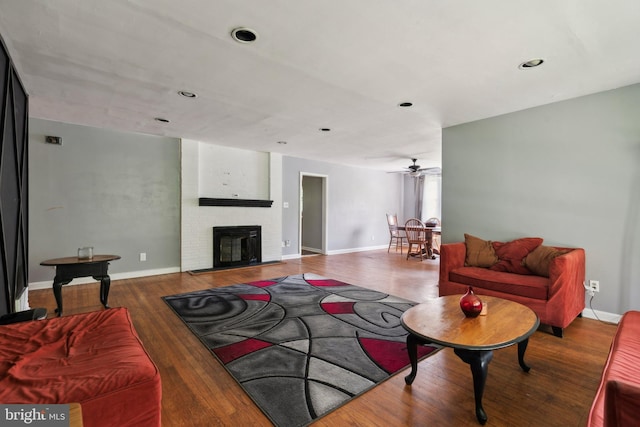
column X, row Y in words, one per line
column 418, row 235
column 394, row 233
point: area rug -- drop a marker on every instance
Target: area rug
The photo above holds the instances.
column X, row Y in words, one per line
column 300, row 346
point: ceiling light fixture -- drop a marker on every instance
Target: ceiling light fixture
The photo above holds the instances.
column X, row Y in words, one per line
column 532, row 63
column 405, row 104
column 161, row 120
column 187, row 94
column 325, row 129
column 282, row 142
column 244, row 35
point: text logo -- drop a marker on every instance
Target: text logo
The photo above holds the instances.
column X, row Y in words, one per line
column 34, row 415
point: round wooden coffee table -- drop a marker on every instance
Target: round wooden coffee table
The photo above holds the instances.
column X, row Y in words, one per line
column 441, row 321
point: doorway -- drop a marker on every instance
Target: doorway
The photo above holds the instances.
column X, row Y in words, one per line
column 313, row 214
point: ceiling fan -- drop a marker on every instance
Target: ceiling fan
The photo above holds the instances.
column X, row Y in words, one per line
column 415, row 170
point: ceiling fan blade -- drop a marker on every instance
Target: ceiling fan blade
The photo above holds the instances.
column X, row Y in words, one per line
column 431, row 171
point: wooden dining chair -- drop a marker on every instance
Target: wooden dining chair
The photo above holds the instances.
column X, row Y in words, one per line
column 418, row 235
column 394, row 233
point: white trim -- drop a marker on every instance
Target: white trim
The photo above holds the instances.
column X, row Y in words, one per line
column 325, row 210
column 339, row 251
column 601, row 315
column 348, row 251
column 48, row 284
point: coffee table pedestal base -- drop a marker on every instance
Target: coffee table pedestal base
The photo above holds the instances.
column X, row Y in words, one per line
column 478, row 360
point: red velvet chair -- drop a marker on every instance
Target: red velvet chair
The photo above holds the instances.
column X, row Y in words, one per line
column 617, row 400
column 95, row 359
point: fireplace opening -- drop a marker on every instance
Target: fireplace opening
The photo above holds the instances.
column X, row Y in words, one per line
column 237, row 246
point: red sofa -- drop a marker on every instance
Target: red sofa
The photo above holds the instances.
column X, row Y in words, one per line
column 617, row 401
column 557, row 299
column 95, row 359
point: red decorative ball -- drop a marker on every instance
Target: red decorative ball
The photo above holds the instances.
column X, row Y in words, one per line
column 470, row 304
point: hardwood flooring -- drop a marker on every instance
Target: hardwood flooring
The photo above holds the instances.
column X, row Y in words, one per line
column 197, row 391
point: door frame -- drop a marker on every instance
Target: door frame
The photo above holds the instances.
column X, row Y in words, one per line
column 325, row 210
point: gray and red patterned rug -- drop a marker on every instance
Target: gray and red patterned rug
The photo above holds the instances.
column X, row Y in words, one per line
column 303, row 345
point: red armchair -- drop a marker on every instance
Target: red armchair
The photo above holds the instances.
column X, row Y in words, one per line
column 95, row 359
column 617, row 401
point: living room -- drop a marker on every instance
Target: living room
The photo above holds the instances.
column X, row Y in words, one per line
column 566, row 171
column 543, row 172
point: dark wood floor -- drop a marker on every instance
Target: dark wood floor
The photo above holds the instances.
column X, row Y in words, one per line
column 197, row 391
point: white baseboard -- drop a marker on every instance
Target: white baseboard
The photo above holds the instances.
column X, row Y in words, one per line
column 601, row 315
column 337, row 252
column 48, row 284
column 348, row 251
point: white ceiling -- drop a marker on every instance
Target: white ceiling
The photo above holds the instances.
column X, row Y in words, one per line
column 341, row 64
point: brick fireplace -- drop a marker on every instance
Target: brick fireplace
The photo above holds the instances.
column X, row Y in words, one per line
column 204, row 174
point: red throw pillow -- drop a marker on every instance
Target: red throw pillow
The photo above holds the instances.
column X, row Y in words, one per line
column 512, row 253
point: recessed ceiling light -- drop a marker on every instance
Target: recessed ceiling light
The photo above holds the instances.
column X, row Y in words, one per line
column 244, row 35
column 405, row 104
column 161, row 120
column 325, row 129
column 532, row 63
column 187, row 94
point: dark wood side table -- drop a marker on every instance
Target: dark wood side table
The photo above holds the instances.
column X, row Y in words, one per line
column 441, row 321
column 70, row 268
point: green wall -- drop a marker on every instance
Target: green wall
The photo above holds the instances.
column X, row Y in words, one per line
column 568, row 172
column 118, row 192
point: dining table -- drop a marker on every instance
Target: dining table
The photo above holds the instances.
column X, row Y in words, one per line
column 431, row 231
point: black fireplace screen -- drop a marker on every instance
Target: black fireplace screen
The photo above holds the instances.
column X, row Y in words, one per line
column 237, row 246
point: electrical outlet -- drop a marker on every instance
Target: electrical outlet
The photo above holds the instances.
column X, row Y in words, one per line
column 594, row 286
column 143, row 256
